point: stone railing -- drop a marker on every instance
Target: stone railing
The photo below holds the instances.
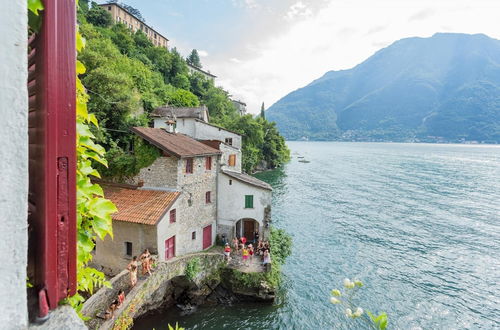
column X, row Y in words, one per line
column 150, row 292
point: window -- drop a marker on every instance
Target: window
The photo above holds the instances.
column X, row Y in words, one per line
column 208, row 197
column 232, row 160
column 208, row 163
column 229, row 141
column 109, row 7
column 173, row 216
column 128, row 249
column 189, row 165
column 230, row 182
column 193, row 235
column 249, row 201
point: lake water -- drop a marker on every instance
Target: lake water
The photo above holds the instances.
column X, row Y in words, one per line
column 419, row 224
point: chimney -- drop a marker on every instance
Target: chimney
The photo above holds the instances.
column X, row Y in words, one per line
column 170, row 126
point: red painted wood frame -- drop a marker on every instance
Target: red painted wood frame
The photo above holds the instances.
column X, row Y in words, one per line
column 52, row 152
column 170, row 248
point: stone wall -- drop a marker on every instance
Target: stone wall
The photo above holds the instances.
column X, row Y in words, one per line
column 14, row 164
column 101, row 300
column 226, row 152
column 197, row 214
column 162, row 173
column 148, row 295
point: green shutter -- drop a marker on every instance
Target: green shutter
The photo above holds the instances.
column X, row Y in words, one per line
column 248, row 201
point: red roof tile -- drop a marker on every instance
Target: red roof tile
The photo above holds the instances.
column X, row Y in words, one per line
column 175, row 144
column 140, row 206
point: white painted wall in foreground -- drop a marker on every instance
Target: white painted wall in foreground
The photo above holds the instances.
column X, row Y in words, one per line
column 14, row 164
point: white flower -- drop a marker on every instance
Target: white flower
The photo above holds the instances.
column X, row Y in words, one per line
column 334, row 300
column 347, row 283
column 348, row 312
column 358, row 312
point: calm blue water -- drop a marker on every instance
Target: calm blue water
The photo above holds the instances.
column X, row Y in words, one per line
column 418, row 223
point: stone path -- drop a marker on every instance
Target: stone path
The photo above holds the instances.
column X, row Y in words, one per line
column 254, row 264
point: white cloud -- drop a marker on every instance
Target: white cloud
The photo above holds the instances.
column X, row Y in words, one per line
column 203, row 53
column 298, row 9
column 339, row 36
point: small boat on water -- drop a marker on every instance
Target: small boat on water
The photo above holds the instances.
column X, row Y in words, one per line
column 300, row 157
column 304, row 161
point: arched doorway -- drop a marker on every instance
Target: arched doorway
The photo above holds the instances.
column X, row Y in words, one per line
column 246, row 227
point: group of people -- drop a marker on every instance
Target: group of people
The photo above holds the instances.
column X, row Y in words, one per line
column 146, row 261
column 247, row 251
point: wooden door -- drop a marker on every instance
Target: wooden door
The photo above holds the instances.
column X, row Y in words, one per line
column 248, row 229
column 207, row 237
column 170, row 248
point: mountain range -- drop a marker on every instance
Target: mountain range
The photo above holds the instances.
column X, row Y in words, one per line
column 445, row 88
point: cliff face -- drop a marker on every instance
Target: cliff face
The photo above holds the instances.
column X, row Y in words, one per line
column 445, row 86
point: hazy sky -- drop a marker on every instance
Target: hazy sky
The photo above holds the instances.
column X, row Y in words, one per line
column 263, row 49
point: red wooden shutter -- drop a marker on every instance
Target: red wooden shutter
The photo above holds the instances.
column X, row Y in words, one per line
column 207, row 237
column 52, row 153
column 172, row 216
column 189, row 165
column 208, row 163
column 207, row 197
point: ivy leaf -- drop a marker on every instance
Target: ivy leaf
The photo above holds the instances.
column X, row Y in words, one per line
column 34, row 6
column 80, row 68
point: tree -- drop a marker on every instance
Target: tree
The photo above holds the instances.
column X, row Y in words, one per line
column 194, row 59
column 262, row 111
column 98, row 16
column 134, row 11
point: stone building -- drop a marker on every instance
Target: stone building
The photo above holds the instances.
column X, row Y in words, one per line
column 190, row 167
column 240, row 106
column 122, row 15
column 244, row 202
column 194, row 69
column 146, row 219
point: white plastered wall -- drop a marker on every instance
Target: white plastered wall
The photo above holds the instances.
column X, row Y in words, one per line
column 14, row 164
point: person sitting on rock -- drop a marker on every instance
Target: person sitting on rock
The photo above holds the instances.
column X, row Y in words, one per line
column 121, row 298
column 110, row 312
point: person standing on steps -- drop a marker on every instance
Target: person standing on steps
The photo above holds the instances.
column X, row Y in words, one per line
column 244, row 254
column 236, row 245
column 256, row 237
column 227, row 252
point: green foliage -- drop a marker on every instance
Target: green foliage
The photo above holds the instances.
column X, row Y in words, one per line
column 380, row 321
column 345, row 299
column 34, row 18
column 93, row 211
column 194, row 59
column 127, row 77
column 281, row 245
column 262, row 111
column 193, row 268
column 176, row 327
column 98, row 16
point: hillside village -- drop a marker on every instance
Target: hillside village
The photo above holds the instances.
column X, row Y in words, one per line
column 193, row 193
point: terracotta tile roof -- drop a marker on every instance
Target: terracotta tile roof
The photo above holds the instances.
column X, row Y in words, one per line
column 180, row 112
column 140, row 206
column 175, row 144
column 217, row 126
column 245, row 178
